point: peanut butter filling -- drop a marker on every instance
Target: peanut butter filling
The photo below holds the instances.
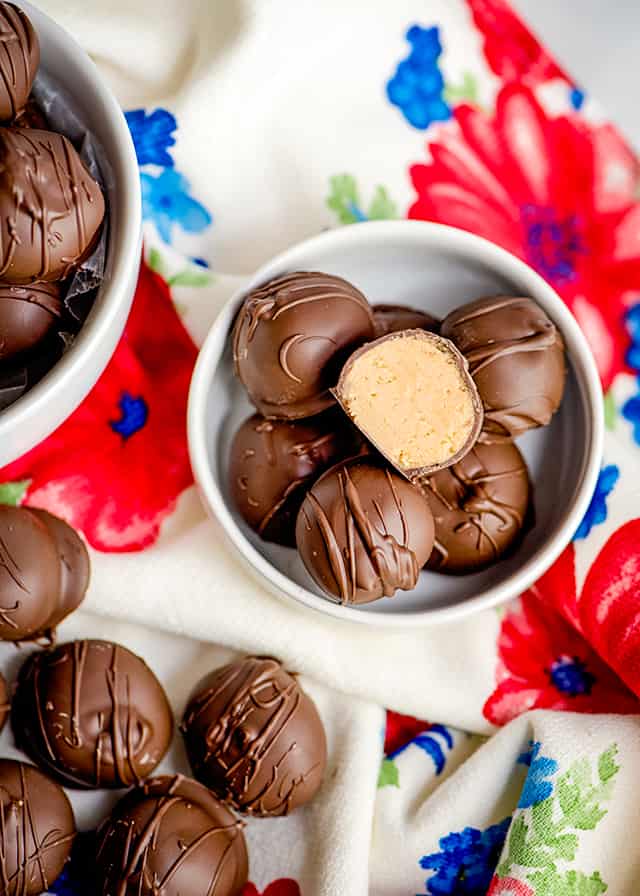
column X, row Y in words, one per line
column 411, row 396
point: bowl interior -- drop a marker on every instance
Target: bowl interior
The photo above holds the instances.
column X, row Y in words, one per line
column 435, row 271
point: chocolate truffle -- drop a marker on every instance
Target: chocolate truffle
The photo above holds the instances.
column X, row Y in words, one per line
column 291, row 337
column 480, row 506
column 411, row 395
column 364, row 532
column 50, row 207
column 273, row 462
column 5, row 705
column 19, row 60
column 37, row 830
column 44, row 573
column 171, row 837
column 32, row 116
column 92, row 713
column 255, row 738
column 394, row 318
column 27, row 314
column 516, row 357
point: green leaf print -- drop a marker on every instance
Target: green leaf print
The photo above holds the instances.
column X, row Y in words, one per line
column 344, row 200
column 191, row 277
column 571, row 883
column 466, row 92
column 610, row 411
column 13, row 492
column 389, row 776
column 382, row 207
column 157, row 263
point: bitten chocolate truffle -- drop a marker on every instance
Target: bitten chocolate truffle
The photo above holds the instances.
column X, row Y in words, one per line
column 92, row 713
column 516, row 358
column 50, row 207
column 171, row 837
column 480, row 507
column 19, row 60
column 255, row 738
column 5, row 705
column 291, row 337
column 273, row 462
column 394, row 318
column 411, row 395
column 37, row 830
column 364, row 532
column 44, row 573
column 27, row 314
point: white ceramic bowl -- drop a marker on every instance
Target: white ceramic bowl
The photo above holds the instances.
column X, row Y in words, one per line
column 43, row 408
column 436, row 268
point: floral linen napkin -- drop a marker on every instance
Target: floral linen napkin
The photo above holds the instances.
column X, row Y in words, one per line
column 259, row 124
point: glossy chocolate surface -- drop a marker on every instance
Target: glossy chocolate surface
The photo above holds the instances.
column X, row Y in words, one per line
column 273, row 462
column 171, row 837
column 394, row 318
column 516, row 357
column 364, row 532
column 255, row 738
column 50, row 207
column 480, row 507
column 291, row 337
column 37, row 829
column 27, row 314
column 91, row 713
column 75, row 568
column 19, row 60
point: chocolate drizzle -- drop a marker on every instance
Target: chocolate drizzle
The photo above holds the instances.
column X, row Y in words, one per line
column 171, row 837
column 93, row 713
column 51, row 206
column 36, row 830
column 19, row 60
column 255, row 738
column 364, row 532
column 291, row 337
column 516, row 357
column 479, row 506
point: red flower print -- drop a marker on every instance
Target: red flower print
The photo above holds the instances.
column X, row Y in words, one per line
column 400, row 730
column 115, row 468
column 543, row 662
column 282, row 887
column 512, row 52
column 509, row 886
column 556, row 191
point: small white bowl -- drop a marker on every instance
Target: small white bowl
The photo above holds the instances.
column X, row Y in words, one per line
column 435, row 268
column 37, row 413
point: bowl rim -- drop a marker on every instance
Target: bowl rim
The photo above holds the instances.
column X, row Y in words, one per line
column 117, row 295
column 416, row 233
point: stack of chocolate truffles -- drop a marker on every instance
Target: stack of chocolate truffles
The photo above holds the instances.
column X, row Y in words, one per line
column 51, row 212
column 384, row 438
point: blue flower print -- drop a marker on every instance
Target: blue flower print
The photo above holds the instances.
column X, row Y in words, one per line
column 466, row 861
column 569, row 675
column 166, row 201
column 152, row 136
column 417, row 85
column 597, row 509
column 576, row 98
column 631, row 412
column 134, row 413
column 632, row 320
column 536, row 786
column 431, row 745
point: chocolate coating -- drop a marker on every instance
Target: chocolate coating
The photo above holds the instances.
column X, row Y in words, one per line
column 29, row 574
column 27, row 314
column 75, row 568
column 255, row 738
column 37, row 829
column 516, row 357
column 19, row 59
column 171, row 837
column 50, row 207
column 91, row 713
column 32, row 116
column 5, row 705
column 273, row 462
column 394, row 318
column 364, row 532
column 480, row 506
column 291, row 337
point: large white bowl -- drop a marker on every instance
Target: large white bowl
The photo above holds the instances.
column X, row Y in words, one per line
column 436, row 268
column 43, row 408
